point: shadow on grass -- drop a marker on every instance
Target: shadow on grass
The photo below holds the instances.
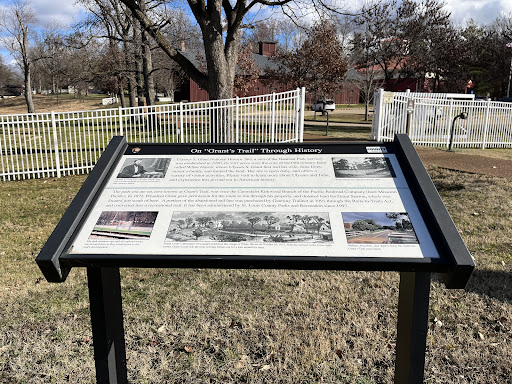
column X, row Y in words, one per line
column 336, row 128
column 494, row 284
column 317, row 137
column 346, row 133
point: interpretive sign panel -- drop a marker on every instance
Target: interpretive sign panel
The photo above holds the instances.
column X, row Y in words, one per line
column 359, row 206
column 367, row 206
column 295, row 200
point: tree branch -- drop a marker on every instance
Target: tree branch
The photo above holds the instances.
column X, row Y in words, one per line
column 268, row 2
column 172, row 52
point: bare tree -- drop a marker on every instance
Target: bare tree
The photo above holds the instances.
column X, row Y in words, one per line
column 407, row 39
column 385, row 41
column 221, row 23
column 147, row 62
column 366, row 74
column 81, row 63
column 248, row 71
column 17, row 23
column 168, row 74
column 111, row 20
column 318, row 63
column 52, row 57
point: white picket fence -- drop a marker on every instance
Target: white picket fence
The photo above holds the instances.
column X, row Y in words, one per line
column 489, row 123
column 63, row 143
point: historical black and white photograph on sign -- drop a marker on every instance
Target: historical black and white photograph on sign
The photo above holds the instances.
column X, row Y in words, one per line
column 362, row 167
column 144, row 168
column 124, row 225
column 378, row 228
column 256, row 227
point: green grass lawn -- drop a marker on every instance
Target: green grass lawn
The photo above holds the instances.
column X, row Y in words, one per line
column 255, row 326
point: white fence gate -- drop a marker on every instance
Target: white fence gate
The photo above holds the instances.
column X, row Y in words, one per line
column 489, row 123
column 64, row 143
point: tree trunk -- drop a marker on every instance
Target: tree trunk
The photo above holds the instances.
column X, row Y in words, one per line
column 28, row 87
column 221, row 64
column 121, row 90
column 138, row 62
column 147, row 64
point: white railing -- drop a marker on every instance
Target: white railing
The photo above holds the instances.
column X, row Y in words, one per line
column 489, row 123
column 63, row 143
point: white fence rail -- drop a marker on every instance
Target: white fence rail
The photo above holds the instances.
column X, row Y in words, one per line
column 64, row 143
column 489, row 123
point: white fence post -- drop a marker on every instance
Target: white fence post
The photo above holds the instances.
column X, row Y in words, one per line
column 409, row 118
column 181, row 128
column 375, row 127
column 302, row 105
column 297, row 109
column 4, row 173
column 486, row 125
column 380, row 113
column 237, row 125
column 120, row 121
column 273, row 118
column 56, row 144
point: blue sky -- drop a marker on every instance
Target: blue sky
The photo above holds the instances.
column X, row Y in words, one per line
column 65, row 12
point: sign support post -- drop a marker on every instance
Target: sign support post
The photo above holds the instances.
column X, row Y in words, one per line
column 107, row 325
column 413, row 302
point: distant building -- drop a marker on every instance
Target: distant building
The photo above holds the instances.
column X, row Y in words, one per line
column 190, row 91
column 347, row 225
column 10, row 90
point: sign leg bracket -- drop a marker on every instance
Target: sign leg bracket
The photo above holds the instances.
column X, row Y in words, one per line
column 107, row 325
column 412, row 327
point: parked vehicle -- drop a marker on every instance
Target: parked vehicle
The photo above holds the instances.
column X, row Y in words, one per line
column 506, row 99
column 482, row 98
column 323, row 106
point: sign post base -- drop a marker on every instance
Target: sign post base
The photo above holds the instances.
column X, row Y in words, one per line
column 107, row 325
column 412, row 327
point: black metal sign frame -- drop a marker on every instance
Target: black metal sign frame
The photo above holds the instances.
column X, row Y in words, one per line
column 455, row 263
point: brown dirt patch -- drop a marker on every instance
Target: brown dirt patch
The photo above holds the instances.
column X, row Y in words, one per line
column 482, row 165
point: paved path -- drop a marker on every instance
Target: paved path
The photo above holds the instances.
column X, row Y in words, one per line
column 479, row 164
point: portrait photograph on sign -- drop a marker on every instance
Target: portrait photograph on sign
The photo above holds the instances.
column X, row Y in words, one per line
column 378, row 228
column 362, row 167
column 124, row 225
column 268, row 227
column 144, row 168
